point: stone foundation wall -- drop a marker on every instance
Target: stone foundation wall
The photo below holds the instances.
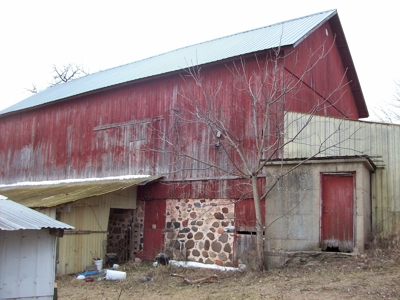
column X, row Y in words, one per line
column 195, row 230
column 119, row 233
column 138, row 225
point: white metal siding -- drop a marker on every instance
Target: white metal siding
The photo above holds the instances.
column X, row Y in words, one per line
column 27, row 264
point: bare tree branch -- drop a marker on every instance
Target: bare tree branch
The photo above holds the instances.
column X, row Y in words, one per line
column 66, row 73
column 61, row 75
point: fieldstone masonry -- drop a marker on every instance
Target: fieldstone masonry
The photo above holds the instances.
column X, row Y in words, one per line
column 195, row 230
column 119, row 233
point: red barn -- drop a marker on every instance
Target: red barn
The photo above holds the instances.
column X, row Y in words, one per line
column 113, row 143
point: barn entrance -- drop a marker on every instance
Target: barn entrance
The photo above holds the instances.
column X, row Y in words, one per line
column 119, row 239
column 337, row 212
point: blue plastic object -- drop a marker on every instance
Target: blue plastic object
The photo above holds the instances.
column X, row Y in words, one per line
column 88, row 273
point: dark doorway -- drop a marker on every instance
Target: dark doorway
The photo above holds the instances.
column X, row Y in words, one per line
column 119, row 233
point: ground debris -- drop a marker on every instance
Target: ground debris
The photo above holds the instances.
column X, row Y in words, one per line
column 330, row 279
column 211, row 278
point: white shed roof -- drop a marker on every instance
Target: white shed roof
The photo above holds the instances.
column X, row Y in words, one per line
column 15, row 216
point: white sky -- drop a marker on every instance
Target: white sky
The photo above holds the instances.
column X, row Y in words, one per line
column 35, row 35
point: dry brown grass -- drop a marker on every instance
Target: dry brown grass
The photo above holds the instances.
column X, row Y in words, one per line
column 373, row 275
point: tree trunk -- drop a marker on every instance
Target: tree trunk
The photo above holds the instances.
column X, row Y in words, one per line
column 259, row 224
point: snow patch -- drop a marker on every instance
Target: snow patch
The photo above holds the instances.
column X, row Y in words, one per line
column 51, row 182
column 189, row 264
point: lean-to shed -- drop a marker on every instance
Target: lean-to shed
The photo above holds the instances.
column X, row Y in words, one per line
column 27, row 251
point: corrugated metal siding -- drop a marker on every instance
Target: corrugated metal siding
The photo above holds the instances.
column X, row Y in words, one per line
column 280, row 34
column 54, row 193
column 15, row 216
column 27, row 264
column 90, row 219
column 338, row 137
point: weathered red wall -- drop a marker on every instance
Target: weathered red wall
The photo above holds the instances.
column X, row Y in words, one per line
column 326, row 82
column 117, row 131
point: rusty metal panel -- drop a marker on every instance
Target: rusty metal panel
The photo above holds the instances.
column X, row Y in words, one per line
column 337, row 215
column 50, row 194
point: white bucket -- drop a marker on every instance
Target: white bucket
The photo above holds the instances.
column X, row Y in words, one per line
column 115, row 275
column 99, row 264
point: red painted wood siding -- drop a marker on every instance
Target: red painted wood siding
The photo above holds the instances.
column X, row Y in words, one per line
column 245, row 215
column 326, row 76
column 102, row 134
column 337, row 215
column 153, row 231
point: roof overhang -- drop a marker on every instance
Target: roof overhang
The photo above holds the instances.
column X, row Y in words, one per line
column 54, row 193
column 364, row 159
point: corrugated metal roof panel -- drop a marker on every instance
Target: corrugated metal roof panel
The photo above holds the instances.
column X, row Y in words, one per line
column 14, row 216
column 280, row 34
column 56, row 193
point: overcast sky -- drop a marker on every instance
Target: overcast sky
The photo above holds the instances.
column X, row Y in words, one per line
column 35, row 35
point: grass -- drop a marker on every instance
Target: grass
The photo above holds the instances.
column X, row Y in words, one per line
column 375, row 274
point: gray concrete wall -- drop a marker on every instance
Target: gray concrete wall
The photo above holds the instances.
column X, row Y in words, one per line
column 293, row 207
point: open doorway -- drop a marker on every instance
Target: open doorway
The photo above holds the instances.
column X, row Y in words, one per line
column 119, row 239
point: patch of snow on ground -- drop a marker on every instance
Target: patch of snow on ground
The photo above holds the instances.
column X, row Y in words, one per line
column 188, row 264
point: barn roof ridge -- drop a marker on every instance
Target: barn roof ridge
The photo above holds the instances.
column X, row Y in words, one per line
column 216, row 39
column 212, row 40
column 229, row 46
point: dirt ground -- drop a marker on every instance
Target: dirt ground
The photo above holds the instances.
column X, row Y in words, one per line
column 373, row 275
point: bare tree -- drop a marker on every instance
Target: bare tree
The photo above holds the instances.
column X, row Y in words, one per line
column 390, row 112
column 244, row 123
column 61, row 75
column 66, row 73
column 33, row 89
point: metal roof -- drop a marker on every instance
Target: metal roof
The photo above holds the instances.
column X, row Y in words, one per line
column 15, row 216
column 54, row 193
column 281, row 34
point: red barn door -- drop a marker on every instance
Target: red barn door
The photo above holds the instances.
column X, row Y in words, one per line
column 337, row 215
column 245, row 223
column 154, row 225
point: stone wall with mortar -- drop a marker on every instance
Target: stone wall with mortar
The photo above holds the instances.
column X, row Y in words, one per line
column 138, row 225
column 119, row 233
column 195, row 230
